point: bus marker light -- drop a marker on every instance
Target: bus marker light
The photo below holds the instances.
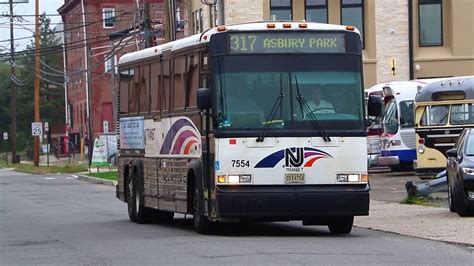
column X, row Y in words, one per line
column 221, row 178
column 232, row 141
column 287, row 25
column 421, row 141
column 221, row 28
column 303, row 25
column 234, row 179
column 364, row 178
column 270, row 25
column 351, row 28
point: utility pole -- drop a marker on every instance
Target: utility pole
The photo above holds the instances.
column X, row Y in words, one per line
column 167, row 20
column 37, row 80
column 89, row 99
column 170, row 20
column 148, row 30
column 13, row 91
column 173, row 19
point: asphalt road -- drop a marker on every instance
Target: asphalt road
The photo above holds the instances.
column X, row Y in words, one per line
column 58, row 220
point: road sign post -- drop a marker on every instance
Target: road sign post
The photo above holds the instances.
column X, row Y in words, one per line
column 46, row 129
column 36, row 132
column 5, row 139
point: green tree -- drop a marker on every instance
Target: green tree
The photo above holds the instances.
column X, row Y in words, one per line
column 5, row 92
column 51, row 89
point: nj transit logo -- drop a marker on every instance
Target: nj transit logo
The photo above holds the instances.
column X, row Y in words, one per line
column 294, row 157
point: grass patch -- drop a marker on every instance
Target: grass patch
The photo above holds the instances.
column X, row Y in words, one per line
column 423, row 201
column 106, row 175
column 52, row 169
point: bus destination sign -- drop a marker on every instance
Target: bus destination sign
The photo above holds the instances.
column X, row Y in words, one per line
column 286, row 42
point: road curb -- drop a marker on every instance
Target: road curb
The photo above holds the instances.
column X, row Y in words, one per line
column 96, row 180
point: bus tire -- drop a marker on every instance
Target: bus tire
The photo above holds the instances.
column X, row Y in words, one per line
column 130, row 197
column 341, row 225
column 200, row 222
column 136, row 204
column 459, row 202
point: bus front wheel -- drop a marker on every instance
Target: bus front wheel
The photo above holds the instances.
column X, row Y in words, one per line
column 341, row 225
column 200, row 221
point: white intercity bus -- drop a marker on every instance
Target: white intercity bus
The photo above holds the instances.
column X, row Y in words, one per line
column 251, row 122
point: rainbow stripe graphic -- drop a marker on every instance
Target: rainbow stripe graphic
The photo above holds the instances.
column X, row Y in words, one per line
column 182, row 138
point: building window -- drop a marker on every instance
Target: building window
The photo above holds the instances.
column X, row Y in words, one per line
column 197, row 21
column 108, row 63
column 108, row 16
column 317, row 10
column 352, row 13
column 430, row 15
column 280, row 10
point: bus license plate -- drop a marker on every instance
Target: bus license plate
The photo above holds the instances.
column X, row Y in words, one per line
column 294, row 178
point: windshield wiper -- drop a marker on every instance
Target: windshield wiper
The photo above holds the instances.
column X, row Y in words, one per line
column 278, row 104
column 306, row 109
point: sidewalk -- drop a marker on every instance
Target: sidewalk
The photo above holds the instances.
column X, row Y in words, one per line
column 419, row 221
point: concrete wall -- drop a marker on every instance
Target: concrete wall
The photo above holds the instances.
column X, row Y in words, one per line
column 392, row 40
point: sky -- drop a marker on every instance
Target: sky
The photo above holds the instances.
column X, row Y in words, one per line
column 48, row 6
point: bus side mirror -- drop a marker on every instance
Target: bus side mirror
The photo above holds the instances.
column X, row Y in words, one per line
column 204, row 98
column 374, row 106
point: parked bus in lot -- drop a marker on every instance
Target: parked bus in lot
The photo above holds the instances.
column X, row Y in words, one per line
column 443, row 109
column 398, row 137
column 275, row 132
column 375, row 129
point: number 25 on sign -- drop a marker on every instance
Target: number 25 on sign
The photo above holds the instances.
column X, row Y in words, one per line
column 36, row 129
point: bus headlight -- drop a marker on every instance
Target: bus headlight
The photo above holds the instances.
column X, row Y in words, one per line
column 468, row 171
column 421, row 149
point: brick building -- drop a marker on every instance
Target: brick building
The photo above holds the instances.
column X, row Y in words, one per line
column 89, row 47
column 418, row 38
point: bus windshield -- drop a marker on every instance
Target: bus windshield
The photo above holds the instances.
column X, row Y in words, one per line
column 390, row 118
column 248, row 87
column 407, row 116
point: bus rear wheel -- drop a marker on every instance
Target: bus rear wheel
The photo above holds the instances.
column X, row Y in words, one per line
column 341, row 225
column 137, row 212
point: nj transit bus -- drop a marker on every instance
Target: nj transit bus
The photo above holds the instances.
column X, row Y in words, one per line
column 398, row 137
column 251, row 122
column 443, row 109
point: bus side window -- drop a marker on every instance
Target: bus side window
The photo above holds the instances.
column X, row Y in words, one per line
column 123, row 94
column 166, row 87
column 192, row 81
column 155, row 87
column 144, row 89
column 134, row 91
column 178, row 80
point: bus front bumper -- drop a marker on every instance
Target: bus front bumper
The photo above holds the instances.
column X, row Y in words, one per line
column 388, row 160
column 427, row 173
column 294, row 202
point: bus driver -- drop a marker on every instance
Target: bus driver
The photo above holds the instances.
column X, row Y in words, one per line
column 318, row 105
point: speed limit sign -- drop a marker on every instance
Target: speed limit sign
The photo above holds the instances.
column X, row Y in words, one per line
column 36, row 129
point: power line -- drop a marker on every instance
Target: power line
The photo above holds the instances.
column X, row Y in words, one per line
column 68, row 29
